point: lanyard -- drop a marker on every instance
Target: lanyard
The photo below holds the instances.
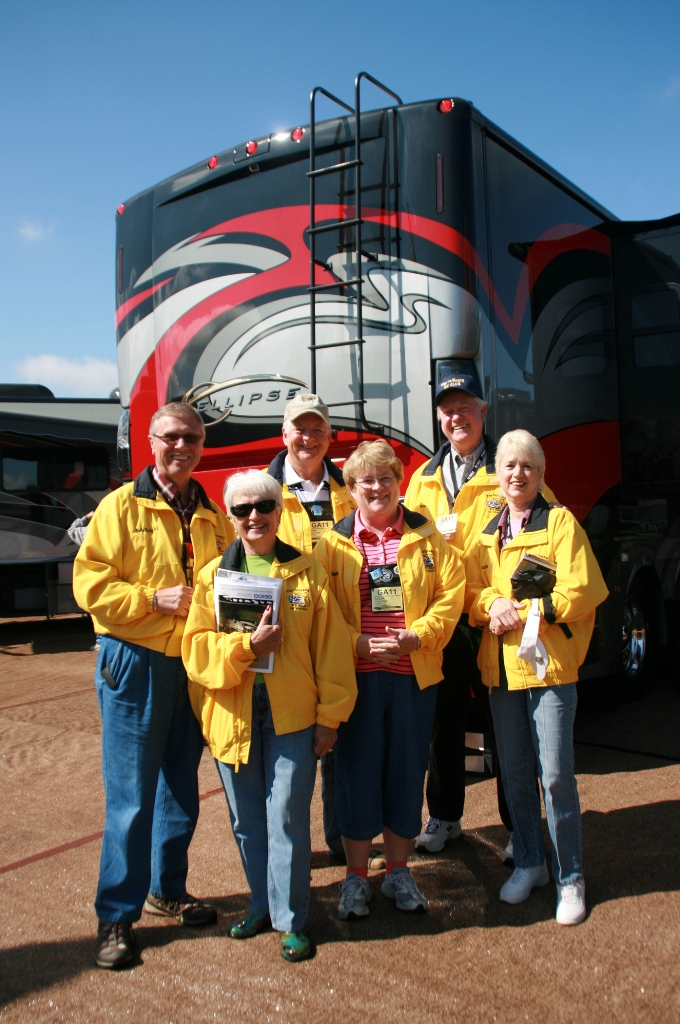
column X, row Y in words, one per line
column 320, row 514
column 384, row 584
column 467, row 475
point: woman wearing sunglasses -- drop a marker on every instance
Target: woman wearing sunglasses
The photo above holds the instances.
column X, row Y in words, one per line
column 400, row 587
column 266, row 731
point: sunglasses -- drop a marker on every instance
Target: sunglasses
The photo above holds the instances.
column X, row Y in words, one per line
column 174, row 438
column 264, row 507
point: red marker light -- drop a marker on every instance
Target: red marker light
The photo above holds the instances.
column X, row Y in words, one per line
column 120, row 209
column 251, row 147
column 446, row 106
column 212, row 163
column 297, row 134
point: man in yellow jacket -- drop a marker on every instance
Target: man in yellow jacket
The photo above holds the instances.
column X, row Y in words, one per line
column 314, row 499
column 458, row 490
column 134, row 575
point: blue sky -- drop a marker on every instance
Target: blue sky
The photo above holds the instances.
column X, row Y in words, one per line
column 99, row 100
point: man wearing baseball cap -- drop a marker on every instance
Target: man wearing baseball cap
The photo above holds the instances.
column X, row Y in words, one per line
column 314, row 499
column 459, row 491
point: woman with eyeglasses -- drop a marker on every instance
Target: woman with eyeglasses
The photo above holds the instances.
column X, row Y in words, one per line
column 266, row 731
column 400, row 587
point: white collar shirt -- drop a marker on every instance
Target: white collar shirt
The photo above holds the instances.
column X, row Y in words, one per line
column 457, row 470
column 305, row 490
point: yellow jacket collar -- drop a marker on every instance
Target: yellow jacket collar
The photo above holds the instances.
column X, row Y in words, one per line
column 335, row 476
column 145, row 490
column 437, row 459
column 537, row 523
column 415, row 526
column 288, row 560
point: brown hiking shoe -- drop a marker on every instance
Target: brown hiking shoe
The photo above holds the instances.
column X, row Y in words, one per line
column 116, row 946
column 186, row 910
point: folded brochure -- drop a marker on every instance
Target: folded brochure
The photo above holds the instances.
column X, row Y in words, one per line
column 533, row 577
column 240, row 601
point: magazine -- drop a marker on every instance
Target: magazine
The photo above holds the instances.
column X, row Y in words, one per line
column 240, row 601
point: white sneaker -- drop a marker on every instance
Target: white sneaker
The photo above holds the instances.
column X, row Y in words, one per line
column 509, row 851
column 518, row 887
column 355, row 893
column 571, row 903
column 401, row 886
column 434, row 836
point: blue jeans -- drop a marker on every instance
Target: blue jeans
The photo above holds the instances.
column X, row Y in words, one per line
column 381, row 757
column 540, row 722
column 269, row 804
column 151, row 747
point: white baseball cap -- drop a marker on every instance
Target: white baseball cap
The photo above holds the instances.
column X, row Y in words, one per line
column 302, row 404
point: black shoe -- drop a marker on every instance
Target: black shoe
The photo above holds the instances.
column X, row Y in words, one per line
column 116, row 946
column 187, row 910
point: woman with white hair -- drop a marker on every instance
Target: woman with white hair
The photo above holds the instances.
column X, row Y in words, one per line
column 266, row 731
column 534, row 584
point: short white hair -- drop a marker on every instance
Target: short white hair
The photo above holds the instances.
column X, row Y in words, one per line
column 252, row 482
column 481, row 404
column 524, row 445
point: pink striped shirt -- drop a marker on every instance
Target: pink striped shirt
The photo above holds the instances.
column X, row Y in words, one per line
column 379, row 551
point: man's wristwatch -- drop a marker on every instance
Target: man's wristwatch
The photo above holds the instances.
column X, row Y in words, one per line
column 154, row 602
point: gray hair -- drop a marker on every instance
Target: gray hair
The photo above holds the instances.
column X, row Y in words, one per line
column 479, row 402
column 252, row 482
column 524, row 445
column 182, row 410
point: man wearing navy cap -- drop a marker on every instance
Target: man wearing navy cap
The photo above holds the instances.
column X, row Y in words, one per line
column 458, row 490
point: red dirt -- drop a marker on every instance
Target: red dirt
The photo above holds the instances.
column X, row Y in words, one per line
column 470, row 959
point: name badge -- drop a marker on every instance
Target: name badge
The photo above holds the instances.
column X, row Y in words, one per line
column 447, row 524
column 319, row 528
column 320, row 518
column 386, row 592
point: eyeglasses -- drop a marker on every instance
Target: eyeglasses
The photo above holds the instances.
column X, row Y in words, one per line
column 311, row 431
column 174, row 438
column 264, row 507
column 382, row 481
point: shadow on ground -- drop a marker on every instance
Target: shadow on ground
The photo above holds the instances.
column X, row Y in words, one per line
column 46, row 636
column 628, row 852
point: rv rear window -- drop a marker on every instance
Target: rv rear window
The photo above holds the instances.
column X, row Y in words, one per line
column 19, row 475
column 657, row 350
column 58, row 476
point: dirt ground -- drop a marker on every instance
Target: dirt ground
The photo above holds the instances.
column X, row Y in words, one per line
column 470, row 959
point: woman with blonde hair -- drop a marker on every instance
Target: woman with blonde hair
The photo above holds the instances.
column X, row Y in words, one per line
column 533, row 585
column 400, row 588
column 265, row 731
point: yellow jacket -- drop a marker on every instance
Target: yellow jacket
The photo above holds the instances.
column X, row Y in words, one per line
column 432, row 579
column 552, row 533
column 478, row 501
column 313, row 681
column 132, row 548
column 294, row 528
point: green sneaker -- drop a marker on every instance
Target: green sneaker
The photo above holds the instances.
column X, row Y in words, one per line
column 295, row 946
column 250, row 926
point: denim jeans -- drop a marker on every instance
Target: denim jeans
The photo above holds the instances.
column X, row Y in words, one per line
column 381, row 757
column 151, row 747
column 269, row 804
column 540, row 722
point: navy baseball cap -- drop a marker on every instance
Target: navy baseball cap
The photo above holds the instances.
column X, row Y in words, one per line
column 458, row 382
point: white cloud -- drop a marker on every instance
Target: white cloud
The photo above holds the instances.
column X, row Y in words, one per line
column 72, row 378
column 34, row 230
column 671, row 89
